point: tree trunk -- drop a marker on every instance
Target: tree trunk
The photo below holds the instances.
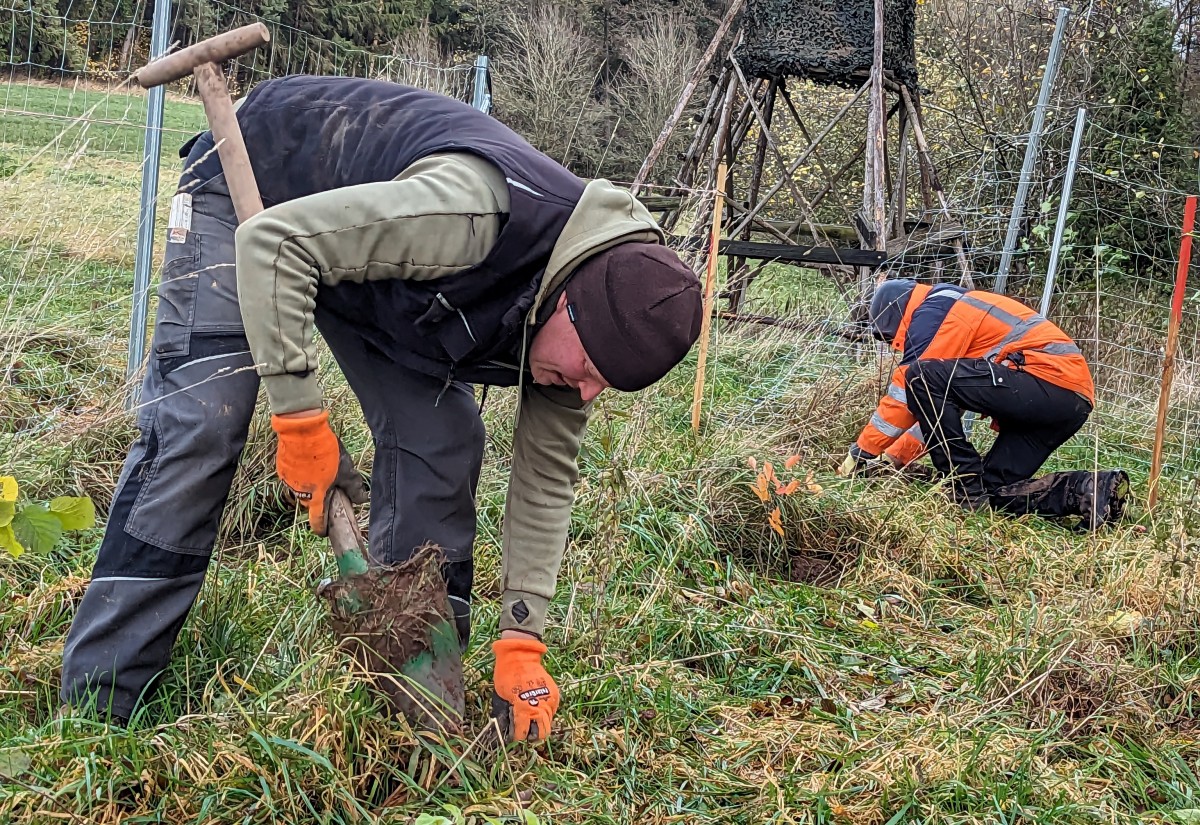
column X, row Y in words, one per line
column 127, row 50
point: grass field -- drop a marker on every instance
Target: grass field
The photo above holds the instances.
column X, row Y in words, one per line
column 888, row 660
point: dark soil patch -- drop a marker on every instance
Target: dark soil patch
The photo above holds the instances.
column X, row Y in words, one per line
column 820, row 568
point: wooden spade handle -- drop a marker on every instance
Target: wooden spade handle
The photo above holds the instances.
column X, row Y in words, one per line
column 223, row 46
column 349, row 545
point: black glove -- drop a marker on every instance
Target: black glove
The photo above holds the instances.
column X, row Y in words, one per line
column 856, row 462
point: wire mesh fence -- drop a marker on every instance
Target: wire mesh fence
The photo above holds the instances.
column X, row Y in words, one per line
column 71, row 138
column 72, row 132
column 1116, row 265
column 1117, row 260
column 1115, row 294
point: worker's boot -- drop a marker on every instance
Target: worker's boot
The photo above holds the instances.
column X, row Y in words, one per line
column 968, row 492
column 973, row 504
column 1100, row 497
column 1095, row 498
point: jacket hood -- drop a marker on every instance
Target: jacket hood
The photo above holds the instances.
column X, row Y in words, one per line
column 887, row 307
column 605, row 216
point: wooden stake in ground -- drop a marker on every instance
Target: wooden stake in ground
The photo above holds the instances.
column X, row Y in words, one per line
column 710, row 281
column 1168, row 373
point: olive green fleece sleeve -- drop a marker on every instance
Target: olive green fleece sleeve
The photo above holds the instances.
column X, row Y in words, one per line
column 441, row 216
column 551, row 423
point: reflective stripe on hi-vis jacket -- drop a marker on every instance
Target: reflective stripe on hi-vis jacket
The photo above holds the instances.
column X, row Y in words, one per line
column 943, row 323
column 907, row 448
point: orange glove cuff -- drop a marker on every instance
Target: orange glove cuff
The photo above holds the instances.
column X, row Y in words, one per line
column 524, row 649
column 307, row 461
column 301, row 426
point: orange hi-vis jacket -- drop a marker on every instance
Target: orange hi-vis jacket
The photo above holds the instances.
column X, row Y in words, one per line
column 956, row 324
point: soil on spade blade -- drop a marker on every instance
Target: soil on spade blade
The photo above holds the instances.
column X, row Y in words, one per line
column 397, row 624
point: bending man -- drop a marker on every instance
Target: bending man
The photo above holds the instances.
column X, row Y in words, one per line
column 433, row 248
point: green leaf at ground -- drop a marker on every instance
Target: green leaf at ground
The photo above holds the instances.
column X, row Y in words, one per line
column 8, row 541
column 8, row 500
column 37, row 528
column 75, row 512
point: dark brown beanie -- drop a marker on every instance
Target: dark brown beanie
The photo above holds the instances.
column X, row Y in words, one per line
column 637, row 309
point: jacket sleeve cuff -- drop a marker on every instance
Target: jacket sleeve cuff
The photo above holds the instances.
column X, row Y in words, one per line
column 293, row 393
column 521, row 610
column 860, row 454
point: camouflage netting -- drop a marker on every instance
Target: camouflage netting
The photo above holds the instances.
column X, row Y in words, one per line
column 826, row 41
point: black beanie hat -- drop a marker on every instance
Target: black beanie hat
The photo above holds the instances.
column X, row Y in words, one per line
column 637, row 308
column 888, row 306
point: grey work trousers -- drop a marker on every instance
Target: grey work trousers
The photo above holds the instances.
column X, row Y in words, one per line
column 197, row 400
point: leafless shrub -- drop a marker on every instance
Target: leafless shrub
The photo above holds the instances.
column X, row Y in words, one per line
column 546, row 69
column 659, row 50
column 417, row 60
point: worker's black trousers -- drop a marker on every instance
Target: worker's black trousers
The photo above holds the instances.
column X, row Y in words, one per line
column 1033, row 416
column 196, row 405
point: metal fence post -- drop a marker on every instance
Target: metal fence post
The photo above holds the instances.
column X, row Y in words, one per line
column 481, row 98
column 1031, row 149
column 1056, row 246
column 143, row 258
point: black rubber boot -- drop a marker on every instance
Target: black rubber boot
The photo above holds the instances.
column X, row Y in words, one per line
column 1095, row 498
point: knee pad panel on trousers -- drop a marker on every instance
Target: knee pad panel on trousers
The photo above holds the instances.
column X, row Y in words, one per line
column 121, row 554
column 926, row 384
column 194, row 422
column 932, row 374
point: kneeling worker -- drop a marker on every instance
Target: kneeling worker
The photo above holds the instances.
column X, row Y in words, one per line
column 970, row 350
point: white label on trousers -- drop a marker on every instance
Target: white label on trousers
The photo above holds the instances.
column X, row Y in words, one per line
column 180, row 219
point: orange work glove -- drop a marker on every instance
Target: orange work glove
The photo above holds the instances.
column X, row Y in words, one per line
column 525, row 698
column 310, row 460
